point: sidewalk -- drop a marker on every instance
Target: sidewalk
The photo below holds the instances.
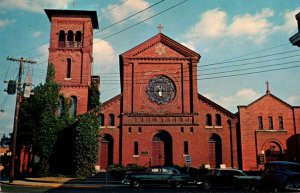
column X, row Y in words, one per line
column 56, row 182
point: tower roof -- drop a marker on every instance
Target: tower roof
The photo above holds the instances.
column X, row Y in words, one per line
column 61, row 12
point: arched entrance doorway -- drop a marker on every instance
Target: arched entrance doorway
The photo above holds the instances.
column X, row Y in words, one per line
column 162, row 152
column 106, row 151
column 215, row 151
column 273, row 152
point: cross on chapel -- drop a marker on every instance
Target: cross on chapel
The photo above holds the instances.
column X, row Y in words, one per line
column 160, row 27
column 268, row 89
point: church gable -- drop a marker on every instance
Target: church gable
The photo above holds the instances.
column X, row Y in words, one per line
column 268, row 101
column 159, row 50
column 113, row 103
column 215, row 106
column 160, row 46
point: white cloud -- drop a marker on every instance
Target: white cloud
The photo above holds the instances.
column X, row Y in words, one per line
column 130, row 7
column 43, row 52
column 214, row 24
column 36, row 34
column 104, row 56
column 241, row 97
column 290, row 22
column 189, row 45
column 255, row 27
column 293, row 100
column 33, row 5
column 6, row 22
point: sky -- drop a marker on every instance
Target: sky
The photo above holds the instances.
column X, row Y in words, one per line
column 242, row 44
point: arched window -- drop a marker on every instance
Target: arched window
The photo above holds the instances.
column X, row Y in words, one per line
column 101, row 119
column 69, row 66
column 111, row 119
column 136, row 148
column 73, row 106
column 61, row 39
column 218, row 120
column 70, row 39
column 186, row 147
column 61, row 107
column 78, row 39
column 270, row 120
column 280, row 122
column 208, row 120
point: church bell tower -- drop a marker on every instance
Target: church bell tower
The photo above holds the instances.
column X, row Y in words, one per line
column 70, row 52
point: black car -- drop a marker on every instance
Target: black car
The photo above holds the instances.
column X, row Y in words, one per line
column 158, row 176
column 281, row 176
column 226, row 178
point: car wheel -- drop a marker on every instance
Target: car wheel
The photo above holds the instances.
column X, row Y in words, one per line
column 245, row 186
column 177, row 184
column 206, row 185
column 136, row 184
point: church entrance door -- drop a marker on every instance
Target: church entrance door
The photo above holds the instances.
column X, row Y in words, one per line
column 162, row 153
column 215, row 151
column 106, row 151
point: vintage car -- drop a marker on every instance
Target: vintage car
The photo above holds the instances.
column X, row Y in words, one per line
column 281, row 176
column 158, row 176
column 226, row 178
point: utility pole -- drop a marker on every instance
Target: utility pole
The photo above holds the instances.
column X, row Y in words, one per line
column 18, row 101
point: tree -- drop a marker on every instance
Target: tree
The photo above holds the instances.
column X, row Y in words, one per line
column 5, row 141
column 64, row 144
column 86, row 144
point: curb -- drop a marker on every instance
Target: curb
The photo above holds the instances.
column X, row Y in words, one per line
column 58, row 185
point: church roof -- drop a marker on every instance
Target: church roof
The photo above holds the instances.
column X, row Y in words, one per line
column 62, row 12
column 160, row 37
column 215, row 105
column 267, row 94
column 118, row 97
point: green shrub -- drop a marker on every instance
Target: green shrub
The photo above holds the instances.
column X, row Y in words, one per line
column 118, row 171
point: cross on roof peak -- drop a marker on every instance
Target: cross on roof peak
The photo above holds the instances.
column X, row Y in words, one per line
column 160, row 27
column 268, row 87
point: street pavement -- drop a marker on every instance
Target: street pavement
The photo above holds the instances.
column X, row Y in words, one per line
column 92, row 182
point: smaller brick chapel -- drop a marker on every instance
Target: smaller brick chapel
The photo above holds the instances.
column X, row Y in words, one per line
column 159, row 118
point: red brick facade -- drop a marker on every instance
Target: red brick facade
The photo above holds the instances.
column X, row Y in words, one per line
column 149, row 132
column 270, row 128
column 160, row 118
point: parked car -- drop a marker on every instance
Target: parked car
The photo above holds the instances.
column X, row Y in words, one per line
column 158, row 175
column 281, row 176
column 226, row 178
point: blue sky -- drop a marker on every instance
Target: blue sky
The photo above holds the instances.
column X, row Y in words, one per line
column 233, row 37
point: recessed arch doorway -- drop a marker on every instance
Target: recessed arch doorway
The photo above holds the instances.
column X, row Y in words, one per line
column 162, row 151
column 106, row 151
column 215, row 151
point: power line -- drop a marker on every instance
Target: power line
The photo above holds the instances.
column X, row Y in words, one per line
column 109, row 36
column 120, row 21
column 140, row 81
column 112, row 8
column 257, row 57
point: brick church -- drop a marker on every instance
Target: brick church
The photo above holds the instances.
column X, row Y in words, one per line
column 159, row 118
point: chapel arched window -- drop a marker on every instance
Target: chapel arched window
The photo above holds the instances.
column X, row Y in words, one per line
column 61, row 107
column 101, row 119
column 73, row 106
column 208, row 120
column 218, row 120
column 111, row 119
